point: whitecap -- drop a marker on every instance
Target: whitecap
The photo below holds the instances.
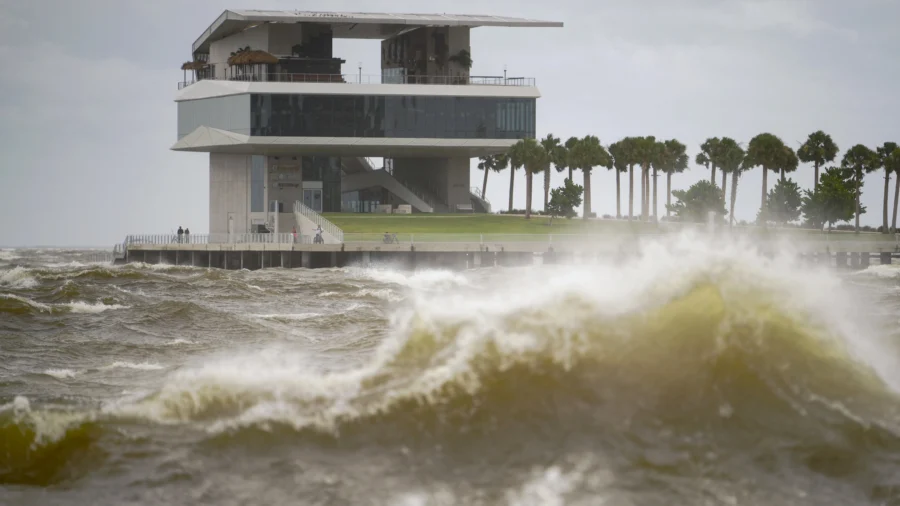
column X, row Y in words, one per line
column 86, row 307
column 143, row 366
column 60, row 373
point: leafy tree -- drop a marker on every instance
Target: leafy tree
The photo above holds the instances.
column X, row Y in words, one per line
column 833, row 200
column 532, row 156
column 564, row 200
column 892, row 160
column 587, row 154
column 647, row 152
column 884, row 161
column 784, row 202
column 707, row 156
column 490, row 163
column 731, row 160
column 673, row 160
column 767, row 151
column 818, row 149
column 555, row 155
column 859, row 160
column 695, row 203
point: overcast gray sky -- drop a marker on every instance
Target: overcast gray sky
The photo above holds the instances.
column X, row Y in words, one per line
column 87, row 112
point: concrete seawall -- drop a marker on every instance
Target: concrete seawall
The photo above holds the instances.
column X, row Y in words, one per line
column 456, row 256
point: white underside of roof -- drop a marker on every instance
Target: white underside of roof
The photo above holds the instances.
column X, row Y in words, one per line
column 213, row 88
column 206, row 139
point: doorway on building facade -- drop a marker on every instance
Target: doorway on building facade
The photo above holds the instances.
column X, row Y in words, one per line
column 312, row 198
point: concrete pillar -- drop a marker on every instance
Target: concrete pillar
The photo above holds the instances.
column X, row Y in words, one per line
column 854, row 260
column 306, row 260
column 282, row 259
column 864, row 260
column 209, row 260
column 333, row 262
column 262, row 259
column 885, row 257
column 476, row 260
column 242, row 259
column 841, row 259
column 366, row 258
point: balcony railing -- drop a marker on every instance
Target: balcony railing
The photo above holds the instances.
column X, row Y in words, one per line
column 373, row 79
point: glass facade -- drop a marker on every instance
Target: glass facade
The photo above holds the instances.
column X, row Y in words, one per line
column 257, row 183
column 392, row 116
column 326, row 169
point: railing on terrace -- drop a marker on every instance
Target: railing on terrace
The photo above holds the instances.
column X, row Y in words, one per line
column 327, row 226
column 165, row 239
column 373, row 79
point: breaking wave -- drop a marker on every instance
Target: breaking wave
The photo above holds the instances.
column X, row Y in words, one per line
column 687, row 334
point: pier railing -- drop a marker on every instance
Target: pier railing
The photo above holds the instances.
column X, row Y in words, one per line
column 161, row 239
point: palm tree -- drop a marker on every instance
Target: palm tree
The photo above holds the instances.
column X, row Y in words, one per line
column 674, row 160
column 570, row 144
column 552, row 147
column 817, row 150
column 731, row 161
column 893, row 161
column 587, row 154
column 726, row 144
column 768, row 151
column 860, row 160
column 789, row 162
column 533, row 157
column 627, row 153
column 619, row 153
column 707, row 156
column 516, row 160
column 646, row 153
column 490, row 163
column 884, row 161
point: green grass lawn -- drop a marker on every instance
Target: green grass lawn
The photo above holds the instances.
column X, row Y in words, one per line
column 354, row 223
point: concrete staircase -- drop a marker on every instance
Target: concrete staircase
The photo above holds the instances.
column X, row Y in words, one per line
column 380, row 177
column 481, row 204
column 308, row 221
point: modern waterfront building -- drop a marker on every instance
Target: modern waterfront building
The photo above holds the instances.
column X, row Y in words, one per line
column 264, row 95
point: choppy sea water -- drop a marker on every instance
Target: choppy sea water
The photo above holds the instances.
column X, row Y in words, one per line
column 690, row 374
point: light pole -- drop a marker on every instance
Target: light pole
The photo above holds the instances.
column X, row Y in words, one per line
column 360, row 72
column 504, row 73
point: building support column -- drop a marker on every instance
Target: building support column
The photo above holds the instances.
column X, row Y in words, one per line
column 864, row 260
column 885, row 257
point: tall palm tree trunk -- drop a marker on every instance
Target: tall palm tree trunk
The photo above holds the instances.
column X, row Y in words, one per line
column 734, row 181
column 782, row 175
column 643, row 193
column 529, row 182
column 887, row 190
column 816, row 182
column 646, row 213
column 546, row 187
column 668, row 192
column 712, row 173
column 655, row 216
column 896, row 196
column 484, row 184
column 630, row 192
column 724, row 182
column 858, row 185
column 512, row 183
column 765, row 183
column 587, row 192
column 618, row 196
column 570, row 175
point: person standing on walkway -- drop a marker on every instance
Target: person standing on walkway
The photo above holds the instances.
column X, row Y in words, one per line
column 294, row 233
column 187, row 235
column 180, row 233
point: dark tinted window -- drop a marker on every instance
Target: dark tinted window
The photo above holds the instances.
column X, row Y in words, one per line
column 392, row 116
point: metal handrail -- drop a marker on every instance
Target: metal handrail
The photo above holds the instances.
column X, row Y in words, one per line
column 318, row 219
column 163, row 239
column 284, row 77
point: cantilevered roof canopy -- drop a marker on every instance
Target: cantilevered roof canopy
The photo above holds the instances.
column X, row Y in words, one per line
column 353, row 25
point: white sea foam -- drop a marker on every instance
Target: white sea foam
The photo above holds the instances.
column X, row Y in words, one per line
column 61, row 373
column 881, row 271
column 421, row 280
column 87, row 307
column 177, row 342
column 293, row 316
column 36, row 305
column 7, row 255
column 142, row 366
column 18, row 277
